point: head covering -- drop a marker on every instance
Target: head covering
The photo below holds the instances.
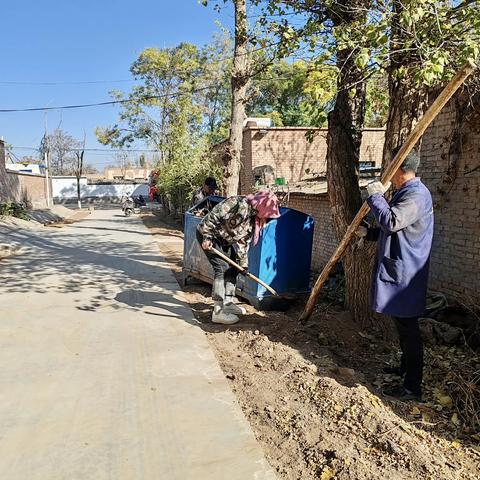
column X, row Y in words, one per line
column 211, row 182
column 265, row 203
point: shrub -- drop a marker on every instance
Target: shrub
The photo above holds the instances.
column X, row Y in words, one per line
column 181, row 176
column 13, row 209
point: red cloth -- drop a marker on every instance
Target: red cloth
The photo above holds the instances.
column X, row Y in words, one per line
column 152, row 192
column 265, row 203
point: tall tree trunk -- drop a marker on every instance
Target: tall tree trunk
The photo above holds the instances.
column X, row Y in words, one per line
column 345, row 123
column 79, row 172
column 240, row 78
column 407, row 101
column 79, row 196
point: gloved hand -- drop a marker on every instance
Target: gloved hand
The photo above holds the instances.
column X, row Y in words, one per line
column 244, row 270
column 207, row 244
column 361, row 231
column 377, row 187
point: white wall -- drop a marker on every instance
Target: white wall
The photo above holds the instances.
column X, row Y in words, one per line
column 30, row 168
column 65, row 188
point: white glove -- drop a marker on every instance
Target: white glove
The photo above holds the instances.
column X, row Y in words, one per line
column 361, row 231
column 377, row 187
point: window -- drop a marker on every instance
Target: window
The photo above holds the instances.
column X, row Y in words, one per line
column 367, row 165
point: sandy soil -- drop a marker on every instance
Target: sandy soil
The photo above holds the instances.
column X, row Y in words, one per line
column 312, row 394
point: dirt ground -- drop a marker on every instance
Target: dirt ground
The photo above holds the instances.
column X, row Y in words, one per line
column 312, row 393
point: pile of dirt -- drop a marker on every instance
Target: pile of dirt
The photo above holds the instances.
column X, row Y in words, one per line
column 58, row 215
column 312, row 395
column 14, row 222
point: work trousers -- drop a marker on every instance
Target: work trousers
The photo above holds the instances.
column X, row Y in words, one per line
column 411, row 344
column 224, row 275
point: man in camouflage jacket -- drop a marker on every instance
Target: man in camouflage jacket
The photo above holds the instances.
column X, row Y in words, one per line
column 230, row 223
column 229, row 227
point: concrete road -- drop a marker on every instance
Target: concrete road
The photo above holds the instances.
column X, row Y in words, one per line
column 104, row 372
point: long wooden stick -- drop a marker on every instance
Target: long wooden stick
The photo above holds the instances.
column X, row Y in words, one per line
column 406, row 148
column 248, row 274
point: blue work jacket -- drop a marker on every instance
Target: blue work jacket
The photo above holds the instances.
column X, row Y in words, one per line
column 404, row 236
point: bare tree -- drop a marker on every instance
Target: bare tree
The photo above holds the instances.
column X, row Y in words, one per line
column 61, row 146
column 122, row 159
column 78, row 169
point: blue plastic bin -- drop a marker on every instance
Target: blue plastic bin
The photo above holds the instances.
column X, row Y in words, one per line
column 282, row 257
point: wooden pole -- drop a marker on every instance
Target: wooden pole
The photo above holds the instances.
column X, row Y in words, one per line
column 394, row 165
column 248, row 274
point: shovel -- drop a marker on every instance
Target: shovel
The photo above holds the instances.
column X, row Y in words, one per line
column 248, row 274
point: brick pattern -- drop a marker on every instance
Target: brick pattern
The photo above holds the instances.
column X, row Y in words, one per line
column 290, row 154
column 21, row 187
column 30, row 189
column 455, row 264
column 324, row 237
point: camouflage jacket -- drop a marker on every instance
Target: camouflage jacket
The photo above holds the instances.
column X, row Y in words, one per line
column 230, row 223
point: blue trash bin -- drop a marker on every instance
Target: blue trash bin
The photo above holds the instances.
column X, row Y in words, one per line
column 282, row 258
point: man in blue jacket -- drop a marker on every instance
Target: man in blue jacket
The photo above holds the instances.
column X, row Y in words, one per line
column 400, row 275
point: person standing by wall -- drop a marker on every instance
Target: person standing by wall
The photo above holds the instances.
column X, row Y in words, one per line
column 400, row 275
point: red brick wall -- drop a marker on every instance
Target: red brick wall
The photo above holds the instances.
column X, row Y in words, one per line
column 455, row 267
column 289, row 152
column 324, row 238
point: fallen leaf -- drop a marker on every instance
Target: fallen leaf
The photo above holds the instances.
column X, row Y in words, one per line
column 445, row 401
column 415, row 411
column 456, row 444
column 327, row 474
column 455, row 419
column 426, row 417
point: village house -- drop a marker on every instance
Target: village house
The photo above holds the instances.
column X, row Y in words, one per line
column 127, row 173
column 293, row 154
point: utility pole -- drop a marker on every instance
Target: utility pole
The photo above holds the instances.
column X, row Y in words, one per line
column 47, row 179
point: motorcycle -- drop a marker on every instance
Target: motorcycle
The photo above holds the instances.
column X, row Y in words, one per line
column 131, row 204
column 128, row 206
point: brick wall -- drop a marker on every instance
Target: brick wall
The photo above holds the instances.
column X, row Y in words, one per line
column 324, row 238
column 290, row 154
column 21, row 187
column 8, row 183
column 455, row 186
column 30, row 189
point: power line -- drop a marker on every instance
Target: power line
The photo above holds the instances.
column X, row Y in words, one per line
column 93, row 82
column 116, row 102
column 101, row 104
column 126, row 150
column 113, row 102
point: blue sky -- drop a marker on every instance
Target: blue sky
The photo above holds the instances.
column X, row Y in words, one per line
column 81, row 41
